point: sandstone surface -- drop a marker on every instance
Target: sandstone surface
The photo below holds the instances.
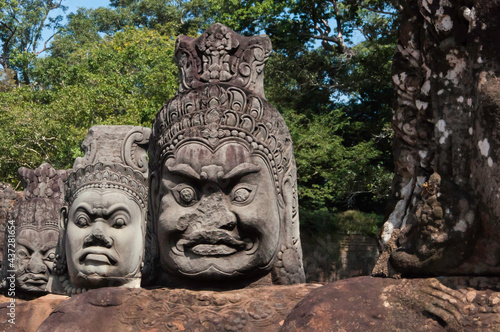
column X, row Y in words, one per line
column 379, row 304
column 123, row 309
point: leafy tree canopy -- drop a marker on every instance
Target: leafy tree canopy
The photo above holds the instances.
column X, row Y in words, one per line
column 117, row 80
column 329, row 76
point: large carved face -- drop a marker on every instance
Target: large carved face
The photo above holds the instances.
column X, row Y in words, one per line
column 104, row 238
column 218, row 213
column 35, row 258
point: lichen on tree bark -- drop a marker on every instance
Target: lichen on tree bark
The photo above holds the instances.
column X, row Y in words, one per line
column 446, row 147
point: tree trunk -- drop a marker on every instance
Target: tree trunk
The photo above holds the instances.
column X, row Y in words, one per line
column 446, row 220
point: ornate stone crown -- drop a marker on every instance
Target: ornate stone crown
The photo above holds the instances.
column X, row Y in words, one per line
column 220, row 55
column 103, row 176
column 42, row 197
column 115, row 157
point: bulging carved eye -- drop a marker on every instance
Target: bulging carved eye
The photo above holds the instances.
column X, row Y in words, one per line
column 187, row 195
column 243, row 193
column 119, row 223
column 51, row 256
column 82, row 220
column 22, row 254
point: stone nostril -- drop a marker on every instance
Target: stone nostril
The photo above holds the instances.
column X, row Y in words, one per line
column 228, row 220
column 229, row 226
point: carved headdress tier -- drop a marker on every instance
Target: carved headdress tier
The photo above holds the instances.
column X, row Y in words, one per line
column 221, row 55
column 116, row 158
column 42, row 197
column 215, row 114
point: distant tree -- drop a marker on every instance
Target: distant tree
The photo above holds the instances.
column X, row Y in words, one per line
column 21, row 25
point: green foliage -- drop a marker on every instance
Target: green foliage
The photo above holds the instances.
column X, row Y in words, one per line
column 340, row 127
column 123, row 79
column 347, row 222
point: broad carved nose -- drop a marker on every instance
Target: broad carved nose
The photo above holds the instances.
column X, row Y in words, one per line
column 98, row 238
column 216, row 210
column 36, row 265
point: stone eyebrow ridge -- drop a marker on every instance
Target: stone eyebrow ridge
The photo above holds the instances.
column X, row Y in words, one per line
column 184, row 169
column 242, row 169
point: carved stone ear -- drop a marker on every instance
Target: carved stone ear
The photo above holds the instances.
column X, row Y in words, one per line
column 289, row 268
column 63, row 217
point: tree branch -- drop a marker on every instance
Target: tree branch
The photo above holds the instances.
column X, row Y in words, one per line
column 378, row 11
column 40, row 28
column 45, row 44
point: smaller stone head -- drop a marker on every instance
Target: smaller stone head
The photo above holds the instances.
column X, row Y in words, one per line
column 34, row 222
column 103, row 221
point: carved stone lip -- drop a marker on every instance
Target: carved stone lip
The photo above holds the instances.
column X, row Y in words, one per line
column 213, row 250
column 211, row 243
column 97, row 256
column 35, row 279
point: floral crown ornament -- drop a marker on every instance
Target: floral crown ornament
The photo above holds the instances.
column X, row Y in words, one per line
column 221, row 55
column 115, row 157
column 220, row 99
column 42, row 198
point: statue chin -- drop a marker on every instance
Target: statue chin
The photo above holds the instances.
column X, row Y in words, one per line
column 96, row 281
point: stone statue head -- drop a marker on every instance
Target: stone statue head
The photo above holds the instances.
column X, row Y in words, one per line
column 223, row 198
column 34, row 223
column 103, row 221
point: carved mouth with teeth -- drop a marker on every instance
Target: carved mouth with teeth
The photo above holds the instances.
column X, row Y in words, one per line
column 213, row 243
column 97, row 258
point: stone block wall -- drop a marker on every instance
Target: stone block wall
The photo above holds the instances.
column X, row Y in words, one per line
column 331, row 257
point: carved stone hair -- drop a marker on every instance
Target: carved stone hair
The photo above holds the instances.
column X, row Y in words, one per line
column 221, row 98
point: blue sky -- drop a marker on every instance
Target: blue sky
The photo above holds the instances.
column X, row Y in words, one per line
column 73, row 5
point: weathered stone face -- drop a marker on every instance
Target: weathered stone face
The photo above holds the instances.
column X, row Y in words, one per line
column 219, row 216
column 104, row 221
column 35, row 258
column 102, row 242
column 33, row 222
column 223, row 197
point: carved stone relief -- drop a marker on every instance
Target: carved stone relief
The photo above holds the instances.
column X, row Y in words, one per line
column 223, row 196
column 160, row 309
column 103, row 222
